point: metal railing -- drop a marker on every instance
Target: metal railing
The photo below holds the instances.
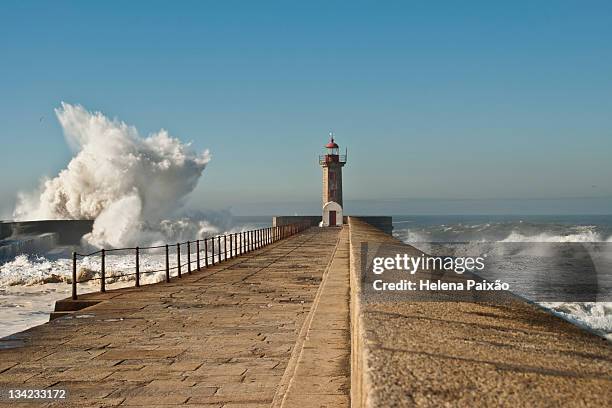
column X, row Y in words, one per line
column 214, row 249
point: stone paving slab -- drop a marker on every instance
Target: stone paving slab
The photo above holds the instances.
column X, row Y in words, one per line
column 499, row 352
column 221, row 337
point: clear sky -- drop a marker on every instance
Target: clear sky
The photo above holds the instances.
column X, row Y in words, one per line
column 435, row 100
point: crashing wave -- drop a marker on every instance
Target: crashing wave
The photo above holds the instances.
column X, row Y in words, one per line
column 127, row 183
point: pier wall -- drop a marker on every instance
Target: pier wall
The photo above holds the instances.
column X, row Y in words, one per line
column 497, row 350
column 5, row 230
column 292, row 219
column 383, row 223
column 69, row 232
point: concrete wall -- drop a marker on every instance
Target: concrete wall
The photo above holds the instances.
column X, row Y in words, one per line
column 33, row 244
column 69, row 232
column 292, row 219
column 383, row 223
column 5, row 230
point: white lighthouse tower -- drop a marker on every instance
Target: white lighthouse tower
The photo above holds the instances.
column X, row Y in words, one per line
column 332, row 163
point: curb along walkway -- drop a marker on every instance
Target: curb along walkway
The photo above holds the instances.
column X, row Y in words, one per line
column 221, row 337
column 319, row 374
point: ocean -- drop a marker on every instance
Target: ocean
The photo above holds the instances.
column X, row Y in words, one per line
column 545, row 258
column 30, row 284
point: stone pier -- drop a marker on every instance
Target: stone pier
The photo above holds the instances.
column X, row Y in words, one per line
column 290, row 325
column 221, row 337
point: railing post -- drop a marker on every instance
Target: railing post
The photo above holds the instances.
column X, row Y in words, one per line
column 103, row 271
column 137, row 267
column 206, row 252
column 189, row 257
column 178, row 259
column 198, row 255
column 219, row 245
column 167, row 264
column 74, row 276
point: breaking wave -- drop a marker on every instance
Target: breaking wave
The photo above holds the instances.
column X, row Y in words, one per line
column 127, row 183
column 596, row 316
column 503, row 232
column 432, row 237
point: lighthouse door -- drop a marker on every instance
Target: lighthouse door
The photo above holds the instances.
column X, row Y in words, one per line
column 332, row 218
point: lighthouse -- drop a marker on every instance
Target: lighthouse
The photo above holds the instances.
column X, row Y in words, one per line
column 332, row 163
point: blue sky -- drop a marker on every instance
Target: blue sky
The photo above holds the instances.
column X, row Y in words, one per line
column 435, row 100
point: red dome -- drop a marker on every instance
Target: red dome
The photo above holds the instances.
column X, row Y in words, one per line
column 332, row 144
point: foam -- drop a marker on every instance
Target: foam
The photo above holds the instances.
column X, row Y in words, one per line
column 127, row 183
column 596, row 316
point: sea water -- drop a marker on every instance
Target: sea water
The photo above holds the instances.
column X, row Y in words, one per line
column 30, row 284
column 519, row 238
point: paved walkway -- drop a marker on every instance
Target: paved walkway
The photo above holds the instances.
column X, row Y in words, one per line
column 222, row 337
column 319, row 374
